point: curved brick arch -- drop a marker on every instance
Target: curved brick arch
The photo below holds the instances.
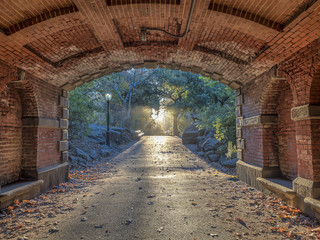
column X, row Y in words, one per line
column 194, row 69
column 270, row 93
column 234, row 42
column 83, row 37
column 272, row 90
column 29, row 98
column 277, row 99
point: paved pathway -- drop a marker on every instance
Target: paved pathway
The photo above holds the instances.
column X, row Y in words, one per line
column 163, row 191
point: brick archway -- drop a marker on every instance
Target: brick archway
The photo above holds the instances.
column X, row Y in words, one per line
column 59, row 45
column 18, row 104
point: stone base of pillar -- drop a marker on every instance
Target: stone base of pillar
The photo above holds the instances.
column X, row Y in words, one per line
column 249, row 173
column 306, row 188
column 304, row 195
column 51, row 175
column 20, row 190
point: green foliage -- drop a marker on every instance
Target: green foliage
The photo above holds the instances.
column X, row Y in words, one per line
column 82, row 110
column 189, row 96
column 232, row 150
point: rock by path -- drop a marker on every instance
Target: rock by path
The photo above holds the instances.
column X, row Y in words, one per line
column 156, row 189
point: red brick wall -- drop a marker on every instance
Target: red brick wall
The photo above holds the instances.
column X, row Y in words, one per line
column 10, row 137
column 260, row 97
column 286, row 135
column 304, row 149
column 48, row 152
column 27, row 147
column 315, row 129
column 301, row 70
column 46, row 105
column 270, row 146
column 253, row 151
column 251, row 98
column 48, row 139
column 48, row 96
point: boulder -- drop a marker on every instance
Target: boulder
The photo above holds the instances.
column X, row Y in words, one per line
column 211, row 144
column 192, row 128
column 213, row 157
column 200, row 141
column 209, row 133
column 202, row 132
column 105, row 151
column 189, row 136
column 126, row 137
column 97, row 134
column 98, row 139
column 115, row 136
column 77, row 161
column 82, row 154
column 230, row 163
column 93, row 154
column 222, row 159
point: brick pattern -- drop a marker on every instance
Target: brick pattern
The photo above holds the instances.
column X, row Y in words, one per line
column 48, row 153
column 301, row 72
column 10, row 137
column 235, row 46
column 286, row 135
column 34, row 145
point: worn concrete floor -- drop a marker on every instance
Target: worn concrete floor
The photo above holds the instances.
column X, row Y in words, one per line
column 160, row 190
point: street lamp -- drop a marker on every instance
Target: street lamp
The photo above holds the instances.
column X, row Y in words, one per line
column 108, row 98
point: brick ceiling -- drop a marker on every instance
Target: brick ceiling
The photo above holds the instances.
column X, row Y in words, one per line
column 70, row 42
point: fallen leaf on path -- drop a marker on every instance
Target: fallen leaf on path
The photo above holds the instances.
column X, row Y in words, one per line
column 240, row 220
column 316, row 229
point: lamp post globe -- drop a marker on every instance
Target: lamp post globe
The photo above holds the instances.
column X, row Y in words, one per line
column 108, row 98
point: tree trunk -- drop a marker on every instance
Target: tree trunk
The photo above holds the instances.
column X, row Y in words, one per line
column 175, row 124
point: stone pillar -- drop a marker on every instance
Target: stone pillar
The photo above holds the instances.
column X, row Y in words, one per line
column 307, row 118
column 239, row 124
column 63, row 144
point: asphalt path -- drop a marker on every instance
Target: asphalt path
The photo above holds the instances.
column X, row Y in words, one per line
column 160, row 190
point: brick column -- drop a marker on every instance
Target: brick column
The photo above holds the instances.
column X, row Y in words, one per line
column 256, row 144
column 307, row 118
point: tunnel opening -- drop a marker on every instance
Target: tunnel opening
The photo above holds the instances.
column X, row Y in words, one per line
column 155, row 102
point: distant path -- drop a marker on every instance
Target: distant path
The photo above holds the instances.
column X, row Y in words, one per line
column 163, row 191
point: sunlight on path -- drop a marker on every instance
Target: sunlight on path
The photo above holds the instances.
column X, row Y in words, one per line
column 156, row 189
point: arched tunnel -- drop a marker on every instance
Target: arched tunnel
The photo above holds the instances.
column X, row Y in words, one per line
column 267, row 50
